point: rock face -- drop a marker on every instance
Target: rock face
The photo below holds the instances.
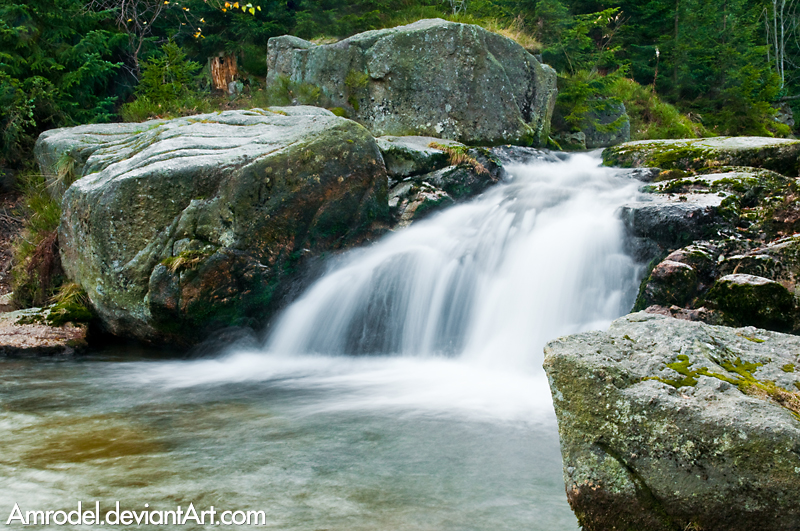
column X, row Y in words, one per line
column 430, row 78
column 777, row 154
column 179, row 227
column 672, row 425
column 672, row 221
column 730, row 274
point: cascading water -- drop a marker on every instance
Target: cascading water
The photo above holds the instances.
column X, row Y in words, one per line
column 402, row 391
column 490, row 280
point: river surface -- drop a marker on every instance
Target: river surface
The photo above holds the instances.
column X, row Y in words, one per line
column 402, row 391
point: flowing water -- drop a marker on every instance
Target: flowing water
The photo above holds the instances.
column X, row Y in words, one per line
column 403, row 390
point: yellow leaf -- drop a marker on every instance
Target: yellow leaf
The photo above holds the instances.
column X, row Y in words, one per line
column 202, row 20
column 227, row 4
column 243, row 8
column 224, row 10
column 236, row 4
column 259, row 8
column 166, row 3
column 252, row 11
column 130, row 19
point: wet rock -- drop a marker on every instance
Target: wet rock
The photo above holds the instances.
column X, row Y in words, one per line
column 754, row 300
column 431, row 78
column 418, row 196
column 413, row 201
column 690, row 155
column 412, row 155
column 668, row 424
column 178, row 227
column 674, row 220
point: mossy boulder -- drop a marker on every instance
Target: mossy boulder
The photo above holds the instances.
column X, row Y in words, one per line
column 670, row 283
column 178, row 227
column 430, row 78
column 607, row 125
column 668, row 425
column 690, row 155
column 754, row 300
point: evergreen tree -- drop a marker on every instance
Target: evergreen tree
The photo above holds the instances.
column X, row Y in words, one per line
column 56, row 66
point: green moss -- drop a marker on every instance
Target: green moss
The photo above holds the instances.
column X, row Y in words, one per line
column 743, row 378
column 789, row 367
column 681, row 367
column 340, row 111
column 356, row 80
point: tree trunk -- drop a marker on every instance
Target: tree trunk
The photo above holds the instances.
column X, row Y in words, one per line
column 223, row 70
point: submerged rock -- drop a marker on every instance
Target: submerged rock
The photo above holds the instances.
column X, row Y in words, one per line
column 667, row 424
column 431, row 78
column 182, row 226
column 690, row 155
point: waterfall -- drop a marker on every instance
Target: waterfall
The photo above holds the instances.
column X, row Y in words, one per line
column 490, row 280
column 450, row 315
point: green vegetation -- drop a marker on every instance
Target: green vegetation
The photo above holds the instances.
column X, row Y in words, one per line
column 740, row 374
column 70, row 304
column 37, row 269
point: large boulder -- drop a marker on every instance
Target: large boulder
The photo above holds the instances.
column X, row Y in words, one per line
column 178, row 227
column 668, row 425
column 430, row 78
column 689, row 155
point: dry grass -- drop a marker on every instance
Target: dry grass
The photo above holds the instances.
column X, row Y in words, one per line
column 458, row 156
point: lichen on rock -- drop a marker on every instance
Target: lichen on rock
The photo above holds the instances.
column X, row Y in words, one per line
column 667, row 424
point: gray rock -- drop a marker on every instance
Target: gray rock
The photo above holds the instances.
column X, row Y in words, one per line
column 430, row 78
column 412, row 155
column 674, row 220
column 784, row 114
column 667, row 424
column 777, row 154
column 670, row 283
column 608, row 126
column 182, row 226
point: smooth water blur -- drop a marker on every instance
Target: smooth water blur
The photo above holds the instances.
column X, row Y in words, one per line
column 404, row 390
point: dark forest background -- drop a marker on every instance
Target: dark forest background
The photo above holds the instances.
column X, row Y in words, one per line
column 682, row 67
